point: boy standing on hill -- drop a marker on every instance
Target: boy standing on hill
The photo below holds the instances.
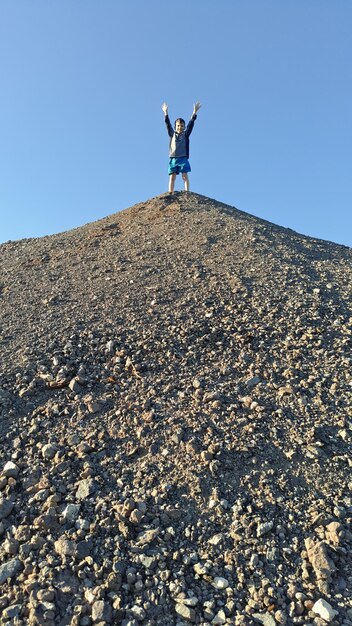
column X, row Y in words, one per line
column 179, row 146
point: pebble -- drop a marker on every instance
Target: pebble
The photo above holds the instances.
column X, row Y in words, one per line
column 186, row 612
column 264, row 528
column 10, row 569
column 220, row 618
column 86, row 488
column 71, row 512
column 101, row 612
column 49, row 450
column 6, row 507
column 11, row 469
column 264, row 618
column 324, row 610
column 220, row 583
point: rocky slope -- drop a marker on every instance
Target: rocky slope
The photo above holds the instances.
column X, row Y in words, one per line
column 176, row 417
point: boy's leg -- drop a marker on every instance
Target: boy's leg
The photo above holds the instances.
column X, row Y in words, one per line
column 186, row 180
column 172, row 179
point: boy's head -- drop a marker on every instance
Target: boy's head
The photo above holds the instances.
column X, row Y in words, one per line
column 180, row 125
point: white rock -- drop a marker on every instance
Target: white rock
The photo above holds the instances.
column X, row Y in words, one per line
column 220, row 618
column 324, row 609
column 216, row 540
column 110, row 346
column 264, row 528
column 220, row 583
column 11, row 469
column 49, row 451
column 71, row 512
column 264, row 618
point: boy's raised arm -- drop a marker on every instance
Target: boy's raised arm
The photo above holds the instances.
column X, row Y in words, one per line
column 165, row 108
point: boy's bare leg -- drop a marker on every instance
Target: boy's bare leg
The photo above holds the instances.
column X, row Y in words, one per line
column 172, row 179
column 186, row 181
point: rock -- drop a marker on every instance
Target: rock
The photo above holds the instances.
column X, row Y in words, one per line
column 86, row 487
column 324, row 610
column 216, row 540
column 71, row 512
column 65, row 547
column 322, row 565
column 11, row 469
column 75, row 386
column 6, row 506
column 186, row 612
column 220, row 618
column 200, row 568
column 11, row 612
column 94, row 406
column 138, row 612
column 264, row 528
column 101, row 612
column 252, row 382
column 49, row 450
column 220, row 583
column 264, row 618
column 10, row 569
column 334, row 532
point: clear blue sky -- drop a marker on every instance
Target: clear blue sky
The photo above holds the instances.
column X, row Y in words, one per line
column 82, row 131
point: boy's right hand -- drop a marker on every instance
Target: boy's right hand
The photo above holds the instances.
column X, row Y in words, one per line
column 165, row 108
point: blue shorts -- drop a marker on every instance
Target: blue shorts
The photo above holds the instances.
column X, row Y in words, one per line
column 179, row 164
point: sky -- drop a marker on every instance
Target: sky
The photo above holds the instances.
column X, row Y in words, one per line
column 82, row 133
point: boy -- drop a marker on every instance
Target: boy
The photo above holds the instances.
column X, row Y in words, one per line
column 179, row 146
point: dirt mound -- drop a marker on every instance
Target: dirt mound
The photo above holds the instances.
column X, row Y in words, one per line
column 176, row 416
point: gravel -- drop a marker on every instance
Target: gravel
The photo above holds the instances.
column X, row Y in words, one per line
column 176, row 419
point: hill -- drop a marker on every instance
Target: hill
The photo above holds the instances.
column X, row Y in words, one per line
column 176, row 415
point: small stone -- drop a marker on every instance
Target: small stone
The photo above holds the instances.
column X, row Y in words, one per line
column 11, row 612
column 65, row 547
column 101, row 612
column 216, row 540
column 220, row 618
column 220, row 583
column 71, row 512
column 319, row 559
column 324, row 610
column 94, row 406
column 11, row 469
column 186, row 612
column 6, row 506
column 147, row 561
column 264, row 528
column 147, row 536
column 10, row 569
column 86, row 487
column 200, row 569
column 49, row 451
column 254, row 560
column 187, row 601
column 252, row 382
column 136, row 517
column 138, row 613
column 264, row 618
column 280, row 617
column 75, row 386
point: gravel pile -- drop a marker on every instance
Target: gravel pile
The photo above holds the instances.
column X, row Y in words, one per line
column 176, row 420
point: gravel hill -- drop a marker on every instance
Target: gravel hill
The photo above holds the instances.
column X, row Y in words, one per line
column 176, row 419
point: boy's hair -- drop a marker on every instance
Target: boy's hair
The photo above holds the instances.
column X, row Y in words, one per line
column 180, row 119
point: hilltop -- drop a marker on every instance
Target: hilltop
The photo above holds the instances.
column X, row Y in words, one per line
column 176, row 416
